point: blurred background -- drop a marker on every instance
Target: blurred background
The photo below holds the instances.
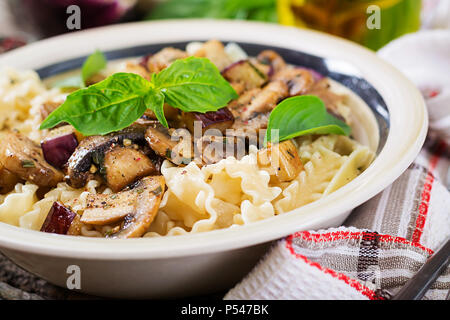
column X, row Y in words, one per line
column 22, row 21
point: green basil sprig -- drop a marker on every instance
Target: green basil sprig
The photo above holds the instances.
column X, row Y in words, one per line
column 92, row 65
column 191, row 84
column 302, row 115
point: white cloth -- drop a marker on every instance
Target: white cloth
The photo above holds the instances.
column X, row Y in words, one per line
column 387, row 239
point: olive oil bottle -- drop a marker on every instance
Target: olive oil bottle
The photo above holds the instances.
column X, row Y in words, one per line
column 372, row 23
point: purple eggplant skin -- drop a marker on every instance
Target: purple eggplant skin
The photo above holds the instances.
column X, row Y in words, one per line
column 221, row 119
column 59, row 219
column 57, row 150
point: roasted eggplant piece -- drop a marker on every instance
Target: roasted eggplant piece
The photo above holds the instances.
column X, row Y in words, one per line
column 213, row 148
column 22, row 157
column 281, row 161
column 59, row 145
column 215, row 52
column 299, row 81
column 124, row 166
column 164, row 58
column 331, row 100
column 245, row 72
column 59, row 220
column 177, row 150
column 136, row 206
column 91, row 151
column 220, row 120
column 266, row 100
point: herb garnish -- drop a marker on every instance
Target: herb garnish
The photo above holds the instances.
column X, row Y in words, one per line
column 302, row 115
column 191, row 84
column 92, row 65
column 28, row 164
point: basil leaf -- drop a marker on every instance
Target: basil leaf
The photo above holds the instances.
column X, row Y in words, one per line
column 93, row 64
column 70, row 82
column 107, row 106
column 194, row 84
column 302, row 115
column 154, row 101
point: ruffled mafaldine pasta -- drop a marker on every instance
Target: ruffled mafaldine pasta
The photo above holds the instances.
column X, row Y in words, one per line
column 141, row 182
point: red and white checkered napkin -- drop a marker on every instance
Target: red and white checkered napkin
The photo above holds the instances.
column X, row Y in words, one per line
column 384, row 242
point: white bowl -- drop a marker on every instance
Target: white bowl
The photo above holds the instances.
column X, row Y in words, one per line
column 207, row 262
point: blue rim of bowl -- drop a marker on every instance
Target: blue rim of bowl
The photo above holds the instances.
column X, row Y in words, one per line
column 340, row 71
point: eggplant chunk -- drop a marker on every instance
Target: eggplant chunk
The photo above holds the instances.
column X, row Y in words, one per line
column 266, row 100
column 59, row 220
column 331, row 100
column 212, row 148
column 137, row 207
column 22, row 157
column 245, row 72
column 91, row 151
column 235, row 106
column 124, row 166
column 281, row 161
column 299, row 81
column 59, row 144
column 215, row 52
column 164, row 58
column 177, row 150
column 221, row 120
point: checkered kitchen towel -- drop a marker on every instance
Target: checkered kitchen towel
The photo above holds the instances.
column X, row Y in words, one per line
column 385, row 241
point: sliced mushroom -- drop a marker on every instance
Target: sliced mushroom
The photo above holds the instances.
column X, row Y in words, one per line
column 175, row 146
column 273, row 59
column 244, row 99
column 137, row 206
column 8, row 180
column 281, row 161
column 124, row 166
column 215, row 52
column 22, row 157
column 91, row 152
column 164, row 58
column 299, row 81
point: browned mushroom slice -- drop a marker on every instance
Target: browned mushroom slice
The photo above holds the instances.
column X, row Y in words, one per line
column 124, row 166
column 8, row 180
column 91, row 152
column 22, row 157
column 245, row 72
column 149, row 192
column 299, row 81
column 175, row 146
column 266, row 100
column 164, row 58
column 137, row 206
column 270, row 57
column 215, row 52
column 281, row 161
column 220, row 120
